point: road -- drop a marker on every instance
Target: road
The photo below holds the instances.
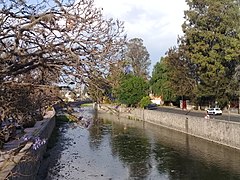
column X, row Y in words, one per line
column 225, row 116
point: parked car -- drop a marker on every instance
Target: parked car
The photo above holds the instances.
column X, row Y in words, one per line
column 214, row 111
column 151, row 106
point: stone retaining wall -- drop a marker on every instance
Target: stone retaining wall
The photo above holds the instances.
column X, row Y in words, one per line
column 222, row 132
column 205, row 151
column 22, row 162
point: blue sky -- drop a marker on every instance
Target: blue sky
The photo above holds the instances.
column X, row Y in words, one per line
column 157, row 22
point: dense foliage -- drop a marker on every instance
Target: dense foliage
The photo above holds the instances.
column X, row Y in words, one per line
column 204, row 64
column 131, row 90
column 211, row 42
column 160, row 81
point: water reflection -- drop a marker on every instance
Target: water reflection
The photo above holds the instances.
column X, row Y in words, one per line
column 181, row 166
column 97, row 133
column 133, row 149
column 204, row 159
column 180, row 156
column 116, row 148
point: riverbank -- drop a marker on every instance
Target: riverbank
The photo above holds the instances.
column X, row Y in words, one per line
column 21, row 159
column 218, row 131
column 119, row 148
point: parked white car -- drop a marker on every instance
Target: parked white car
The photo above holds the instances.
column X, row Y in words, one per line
column 214, row 111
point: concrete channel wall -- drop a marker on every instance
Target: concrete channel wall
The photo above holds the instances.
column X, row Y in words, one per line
column 22, row 162
column 206, row 151
column 222, row 132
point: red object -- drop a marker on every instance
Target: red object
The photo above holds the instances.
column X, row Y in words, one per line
column 184, row 104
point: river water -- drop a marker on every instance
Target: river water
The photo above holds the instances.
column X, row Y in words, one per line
column 112, row 148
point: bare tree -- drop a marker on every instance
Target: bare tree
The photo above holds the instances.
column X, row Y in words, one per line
column 50, row 42
column 138, row 57
column 66, row 39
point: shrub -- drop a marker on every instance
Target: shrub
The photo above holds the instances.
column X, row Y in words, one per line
column 145, row 101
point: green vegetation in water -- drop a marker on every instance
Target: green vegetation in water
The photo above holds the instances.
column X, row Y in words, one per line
column 86, row 105
column 62, row 118
column 68, row 118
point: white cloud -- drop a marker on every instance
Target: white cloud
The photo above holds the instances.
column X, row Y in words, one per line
column 157, row 22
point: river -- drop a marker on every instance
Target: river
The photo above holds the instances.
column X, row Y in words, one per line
column 112, row 148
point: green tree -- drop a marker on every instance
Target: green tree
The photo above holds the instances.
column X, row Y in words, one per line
column 132, row 89
column 160, row 81
column 211, row 42
column 181, row 73
column 138, row 57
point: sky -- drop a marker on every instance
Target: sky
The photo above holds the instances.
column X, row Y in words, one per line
column 157, row 22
